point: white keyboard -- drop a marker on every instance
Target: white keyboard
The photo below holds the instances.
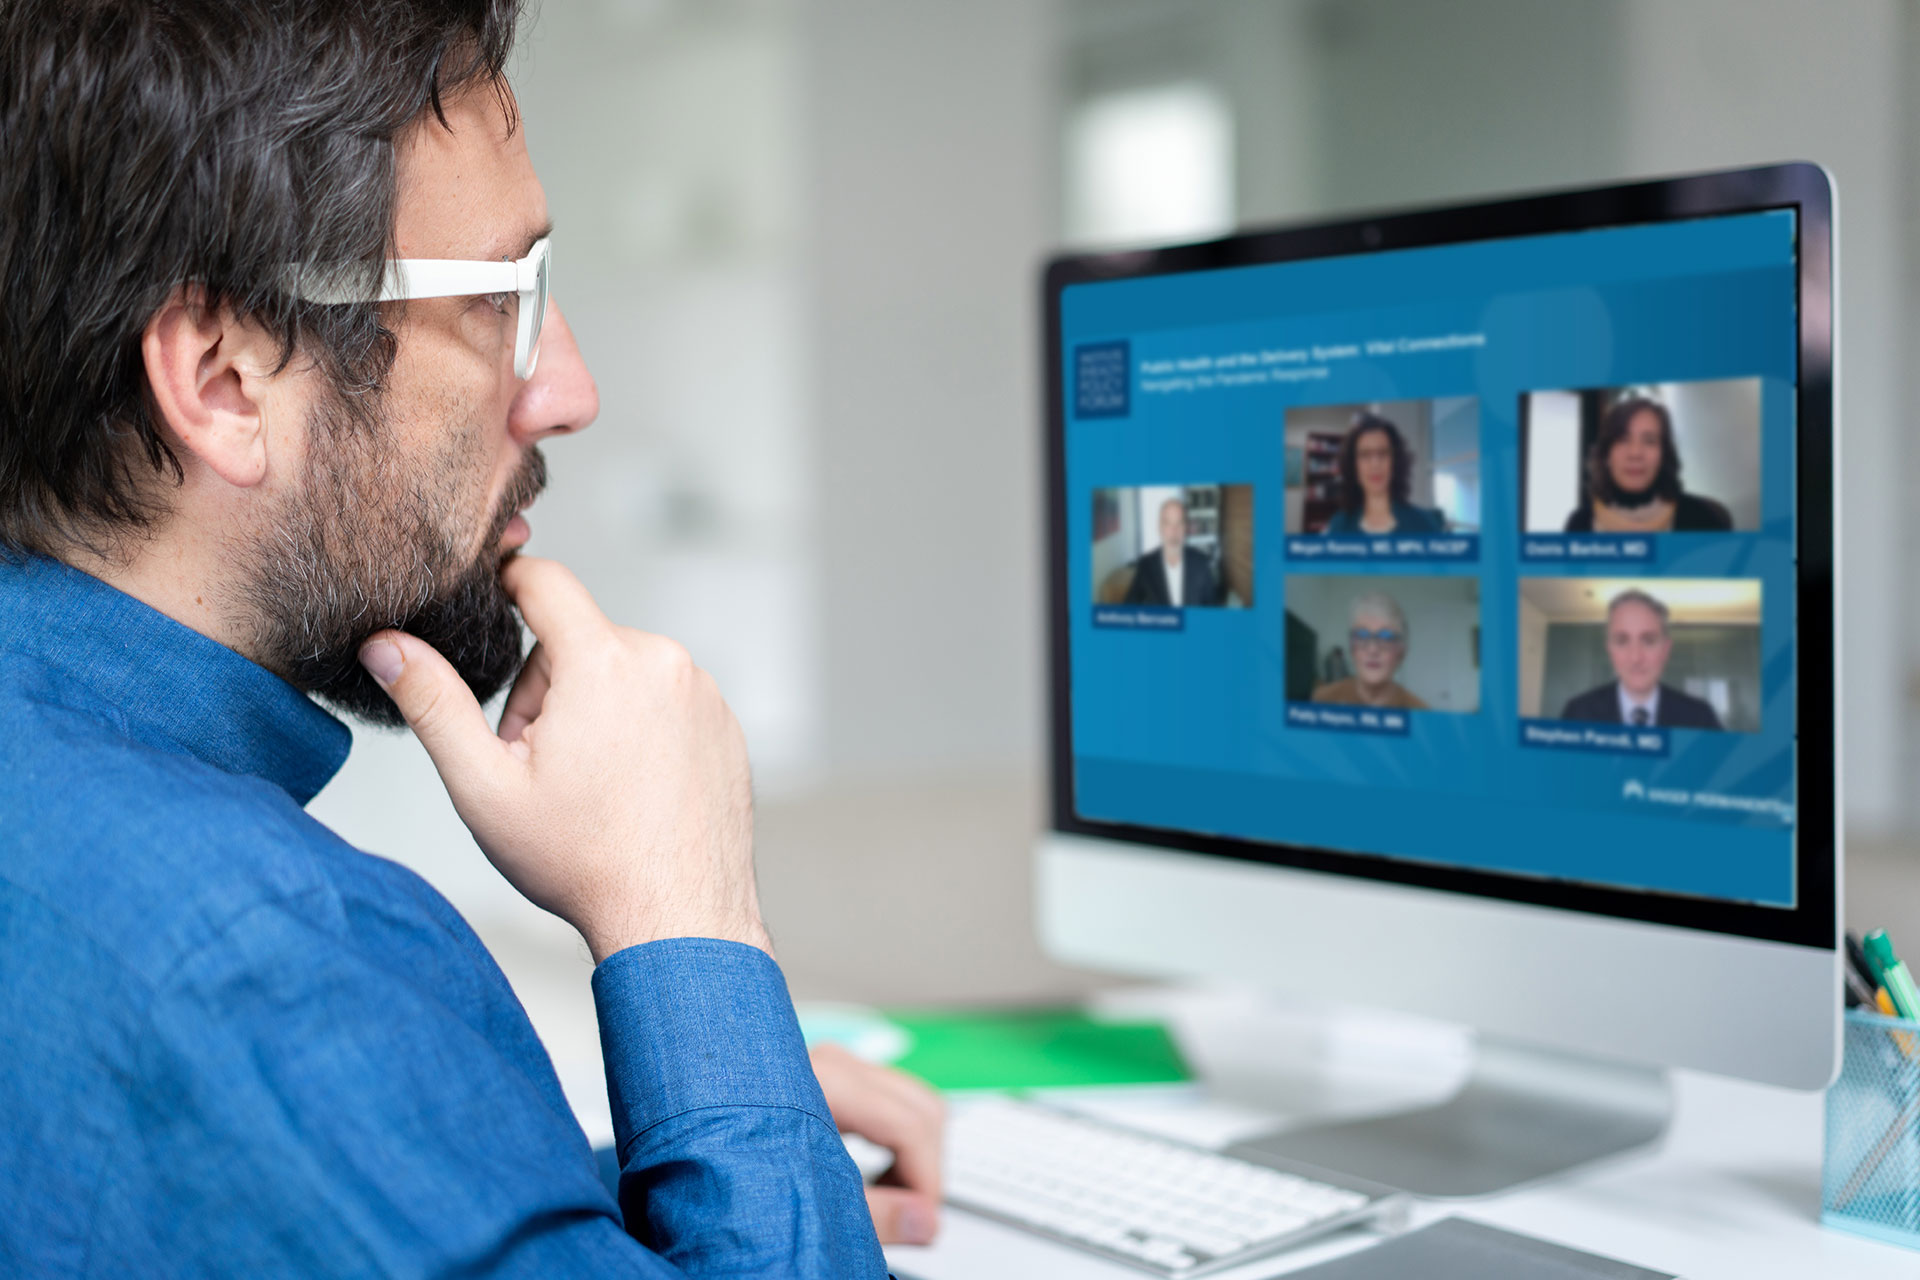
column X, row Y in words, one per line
column 1169, row 1208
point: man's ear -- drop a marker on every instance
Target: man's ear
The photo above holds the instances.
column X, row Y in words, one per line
column 211, row 377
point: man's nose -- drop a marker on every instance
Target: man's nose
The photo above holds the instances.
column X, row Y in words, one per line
column 561, row 396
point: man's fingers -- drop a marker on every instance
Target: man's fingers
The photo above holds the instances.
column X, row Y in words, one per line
column 901, row 1216
column 888, row 1107
column 900, row 1121
column 915, row 1137
column 554, row 603
column 439, row 708
column 915, row 1093
column 915, row 1120
column 528, row 696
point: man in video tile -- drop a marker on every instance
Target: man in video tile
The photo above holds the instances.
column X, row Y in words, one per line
column 1173, row 573
column 1638, row 644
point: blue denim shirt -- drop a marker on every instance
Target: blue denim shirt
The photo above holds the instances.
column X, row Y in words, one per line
column 231, row 1043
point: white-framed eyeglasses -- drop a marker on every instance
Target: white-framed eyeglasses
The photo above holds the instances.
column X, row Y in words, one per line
column 411, row 278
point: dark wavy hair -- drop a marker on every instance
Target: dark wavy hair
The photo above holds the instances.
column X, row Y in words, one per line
column 1352, row 497
column 147, row 145
column 1613, row 429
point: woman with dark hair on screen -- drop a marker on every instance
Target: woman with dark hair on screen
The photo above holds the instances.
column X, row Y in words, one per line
column 1632, row 482
column 1376, row 473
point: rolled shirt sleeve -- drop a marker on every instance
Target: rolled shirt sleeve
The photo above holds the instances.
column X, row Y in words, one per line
column 730, row 1160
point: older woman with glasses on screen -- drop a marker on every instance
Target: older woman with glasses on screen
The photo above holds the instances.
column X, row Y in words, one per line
column 1377, row 639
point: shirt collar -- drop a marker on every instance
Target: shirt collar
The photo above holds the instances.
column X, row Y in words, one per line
column 172, row 688
column 1628, row 702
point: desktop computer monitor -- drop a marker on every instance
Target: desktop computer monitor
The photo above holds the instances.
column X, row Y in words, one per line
column 1442, row 617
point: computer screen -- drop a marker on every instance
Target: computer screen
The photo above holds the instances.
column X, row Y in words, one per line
column 1474, row 561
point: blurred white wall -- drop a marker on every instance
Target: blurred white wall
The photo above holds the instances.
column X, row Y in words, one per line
column 1149, row 165
column 1716, row 427
column 930, row 191
column 1553, row 459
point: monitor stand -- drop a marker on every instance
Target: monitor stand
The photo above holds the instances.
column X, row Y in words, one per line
column 1524, row 1114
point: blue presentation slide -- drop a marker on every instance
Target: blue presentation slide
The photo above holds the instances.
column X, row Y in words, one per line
column 1478, row 555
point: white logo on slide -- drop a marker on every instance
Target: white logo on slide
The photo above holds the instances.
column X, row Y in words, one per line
column 1634, row 790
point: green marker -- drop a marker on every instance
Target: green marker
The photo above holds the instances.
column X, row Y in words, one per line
column 1893, row 974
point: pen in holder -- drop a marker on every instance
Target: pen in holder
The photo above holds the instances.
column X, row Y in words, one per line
column 1870, row 1179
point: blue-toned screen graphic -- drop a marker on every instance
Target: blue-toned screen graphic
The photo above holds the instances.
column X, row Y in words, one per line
column 1479, row 555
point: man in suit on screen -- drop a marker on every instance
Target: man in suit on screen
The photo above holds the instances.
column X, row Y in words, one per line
column 1639, row 644
column 1173, row 573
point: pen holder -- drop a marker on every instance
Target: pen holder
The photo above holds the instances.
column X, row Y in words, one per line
column 1870, row 1179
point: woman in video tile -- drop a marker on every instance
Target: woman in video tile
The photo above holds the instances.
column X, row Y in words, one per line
column 1633, row 478
column 1376, row 473
column 1377, row 639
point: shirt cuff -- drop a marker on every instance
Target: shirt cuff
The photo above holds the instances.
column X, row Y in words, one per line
column 693, row 1023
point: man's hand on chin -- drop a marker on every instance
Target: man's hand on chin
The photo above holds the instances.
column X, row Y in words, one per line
column 898, row 1112
column 615, row 792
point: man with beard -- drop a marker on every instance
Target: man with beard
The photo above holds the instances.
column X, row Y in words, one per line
column 277, row 360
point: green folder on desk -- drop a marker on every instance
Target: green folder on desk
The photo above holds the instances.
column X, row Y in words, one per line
column 1033, row 1049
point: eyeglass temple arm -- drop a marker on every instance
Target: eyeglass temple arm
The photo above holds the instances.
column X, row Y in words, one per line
column 411, row 278
column 408, row 278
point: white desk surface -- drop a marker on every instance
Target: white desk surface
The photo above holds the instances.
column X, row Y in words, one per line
column 1732, row 1194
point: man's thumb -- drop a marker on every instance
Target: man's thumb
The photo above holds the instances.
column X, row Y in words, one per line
column 438, row 706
